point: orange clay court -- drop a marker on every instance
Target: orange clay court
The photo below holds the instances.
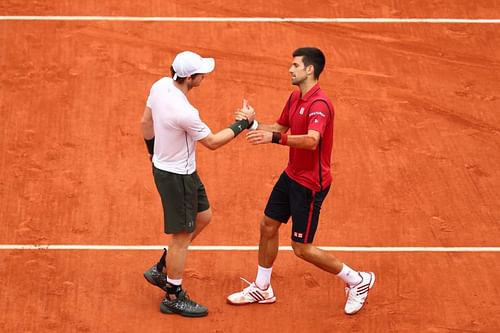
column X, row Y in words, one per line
column 415, row 165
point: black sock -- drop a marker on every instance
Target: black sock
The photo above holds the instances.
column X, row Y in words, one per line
column 173, row 290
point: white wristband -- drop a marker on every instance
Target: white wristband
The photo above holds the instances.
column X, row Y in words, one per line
column 254, row 126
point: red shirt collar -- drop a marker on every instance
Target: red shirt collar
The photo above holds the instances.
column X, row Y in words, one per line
column 311, row 92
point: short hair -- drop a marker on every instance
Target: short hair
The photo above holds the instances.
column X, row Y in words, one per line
column 312, row 56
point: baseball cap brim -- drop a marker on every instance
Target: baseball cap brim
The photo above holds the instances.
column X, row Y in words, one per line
column 207, row 66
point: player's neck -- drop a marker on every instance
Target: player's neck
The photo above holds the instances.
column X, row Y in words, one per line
column 306, row 85
column 182, row 87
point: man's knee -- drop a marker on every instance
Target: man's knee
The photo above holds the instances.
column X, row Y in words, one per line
column 301, row 250
column 181, row 240
column 203, row 219
column 269, row 227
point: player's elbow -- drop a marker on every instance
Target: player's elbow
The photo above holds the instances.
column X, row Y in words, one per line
column 212, row 146
column 146, row 122
column 314, row 146
column 147, row 130
column 211, row 142
column 312, row 143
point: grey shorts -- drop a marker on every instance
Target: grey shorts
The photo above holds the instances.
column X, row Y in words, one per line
column 182, row 198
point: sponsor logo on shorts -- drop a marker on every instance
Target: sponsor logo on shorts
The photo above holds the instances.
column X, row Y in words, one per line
column 298, row 234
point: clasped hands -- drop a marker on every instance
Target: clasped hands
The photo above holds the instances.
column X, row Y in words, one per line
column 253, row 136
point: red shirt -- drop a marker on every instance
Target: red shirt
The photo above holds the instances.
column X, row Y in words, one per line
column 313, row 111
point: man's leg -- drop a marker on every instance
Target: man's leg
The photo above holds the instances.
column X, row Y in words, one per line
column 176, row 300
column 178, row 247
column 317, row 257
column 182, row 197
column 156, row 275
column 358, row 283
column 202, row 220
column 277, row 212
column 177, row 252
column 306, row 205
column 269, row 241
column 261, row 291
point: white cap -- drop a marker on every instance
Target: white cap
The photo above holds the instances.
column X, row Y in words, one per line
column 188, row 63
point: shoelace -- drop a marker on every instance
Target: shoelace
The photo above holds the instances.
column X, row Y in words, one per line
column 247, row 289
column 354, row 296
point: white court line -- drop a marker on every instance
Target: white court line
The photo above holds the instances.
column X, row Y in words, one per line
column 243, row 248
column 253, row 19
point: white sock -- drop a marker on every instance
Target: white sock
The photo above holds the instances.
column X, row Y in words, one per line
column 174, row 281
column 263, row 279
column 349, row 276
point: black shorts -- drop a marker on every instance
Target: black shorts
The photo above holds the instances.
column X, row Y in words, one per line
column 290, row 198
column 182, row 197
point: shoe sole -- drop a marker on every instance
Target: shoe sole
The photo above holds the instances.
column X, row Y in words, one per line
column 188, row 314
column 372, row 282
column 266, row 301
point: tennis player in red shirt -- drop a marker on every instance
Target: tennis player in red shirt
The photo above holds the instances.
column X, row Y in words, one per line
column 306, row 126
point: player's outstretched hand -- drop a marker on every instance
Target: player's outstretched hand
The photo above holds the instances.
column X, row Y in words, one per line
column 248, row 110
column 240, row 115
column 259, row 137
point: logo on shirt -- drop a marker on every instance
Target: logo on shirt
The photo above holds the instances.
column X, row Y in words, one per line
column 301, row 112
column 318, row 113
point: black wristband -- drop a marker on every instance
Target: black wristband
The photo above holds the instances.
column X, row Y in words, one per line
column 238, row 126
column 151, row 145
column 276, row 137
column 250, row 124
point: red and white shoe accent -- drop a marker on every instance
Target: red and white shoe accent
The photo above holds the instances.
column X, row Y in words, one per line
column 357, row 295
column 252, row 294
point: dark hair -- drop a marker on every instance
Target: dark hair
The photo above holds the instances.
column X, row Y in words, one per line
column 180, row 79
column 311, row 56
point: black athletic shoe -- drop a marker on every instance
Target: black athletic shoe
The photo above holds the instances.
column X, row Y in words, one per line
column 183, row 305
column 155, row 274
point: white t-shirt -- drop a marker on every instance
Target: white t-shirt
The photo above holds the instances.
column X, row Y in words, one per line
column 177, row 127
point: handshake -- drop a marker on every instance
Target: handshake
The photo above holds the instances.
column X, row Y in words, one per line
column 247, row 112
column 257, row 134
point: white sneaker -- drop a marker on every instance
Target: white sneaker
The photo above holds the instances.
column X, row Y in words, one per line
column 356, row 295
column 252, row 294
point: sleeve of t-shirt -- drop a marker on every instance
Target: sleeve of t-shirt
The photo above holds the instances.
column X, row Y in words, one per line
column 319, row 116
column 283, row 120
column 196, row 128
column 149, row 101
